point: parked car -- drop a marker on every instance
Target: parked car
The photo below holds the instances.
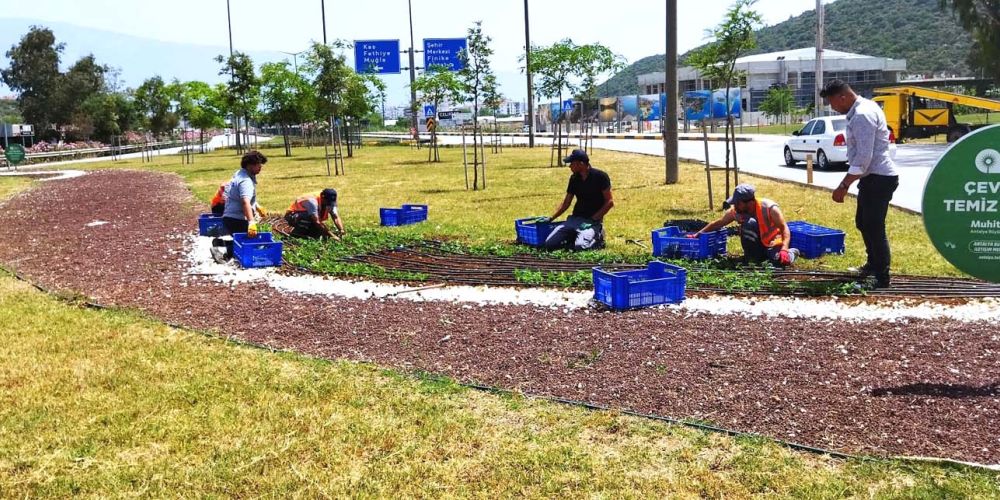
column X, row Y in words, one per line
column 825, row 138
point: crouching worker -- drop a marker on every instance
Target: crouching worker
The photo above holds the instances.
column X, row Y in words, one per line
column 218, row 202
column 764, row 233
column 307, row 215
column 584, row 229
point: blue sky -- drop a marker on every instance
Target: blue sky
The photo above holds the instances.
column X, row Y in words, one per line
column 632, row 28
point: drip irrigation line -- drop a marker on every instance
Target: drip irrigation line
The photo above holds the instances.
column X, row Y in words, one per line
column 90, row 304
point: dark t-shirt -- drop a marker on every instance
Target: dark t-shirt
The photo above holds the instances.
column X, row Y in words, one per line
column 589, row 193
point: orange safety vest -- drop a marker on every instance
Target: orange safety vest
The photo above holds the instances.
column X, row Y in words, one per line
column 219, row 198
column 299, row 205
column 770, row 233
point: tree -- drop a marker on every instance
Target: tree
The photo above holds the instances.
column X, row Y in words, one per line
column 34, row 74
column 778, row 103
column 362, row 97
column 331, row 79
column 84, row 80
column 552, row 68
column 436, row 86
column 286, row 97
column 733, row 38
column 982, row 19
column 153, row 101
column 474, row 74
column 242, row 90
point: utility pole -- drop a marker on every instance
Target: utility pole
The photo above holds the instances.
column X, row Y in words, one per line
column 413, row 78
column 820, row 21
column 322, row 13
column 670, row 114
column 527, row 71
column 229, row 22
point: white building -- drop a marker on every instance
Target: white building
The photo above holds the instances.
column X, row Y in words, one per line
column 794, row 68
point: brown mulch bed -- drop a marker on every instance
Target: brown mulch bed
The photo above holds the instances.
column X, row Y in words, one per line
column 916, row 388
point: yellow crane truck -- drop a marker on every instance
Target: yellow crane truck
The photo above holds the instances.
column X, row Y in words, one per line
column 917, row 112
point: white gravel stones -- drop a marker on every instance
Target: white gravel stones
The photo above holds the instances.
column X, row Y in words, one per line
column 201, row 263
column 47, row 175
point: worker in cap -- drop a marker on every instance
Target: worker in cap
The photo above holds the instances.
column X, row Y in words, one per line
column 764, row 234
column 584, row 229
column 308, row 213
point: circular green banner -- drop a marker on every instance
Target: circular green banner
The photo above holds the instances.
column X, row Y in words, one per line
column 14, row 154
column 962, row 204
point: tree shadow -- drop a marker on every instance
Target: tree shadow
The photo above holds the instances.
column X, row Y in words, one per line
column 954, row 391
column 440, row 191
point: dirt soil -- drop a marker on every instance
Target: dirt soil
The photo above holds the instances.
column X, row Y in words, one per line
column 917, row 388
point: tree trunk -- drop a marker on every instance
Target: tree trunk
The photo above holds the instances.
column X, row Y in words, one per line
column 284, row 134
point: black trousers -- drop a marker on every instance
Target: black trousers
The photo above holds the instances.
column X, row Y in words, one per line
column 303, row 226
column 874, row 195
column 232, row 226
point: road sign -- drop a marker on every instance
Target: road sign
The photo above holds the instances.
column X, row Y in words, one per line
column 567, row 105
column 14, row 153
column 443, row 52
column 376, row 56
column 431, row 124
column 444, row 115
column 961, row 204
column 428, row 110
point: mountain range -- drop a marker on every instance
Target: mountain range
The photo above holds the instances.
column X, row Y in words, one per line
column 929, row 38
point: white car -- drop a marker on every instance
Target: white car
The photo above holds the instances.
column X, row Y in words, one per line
column 825, row 139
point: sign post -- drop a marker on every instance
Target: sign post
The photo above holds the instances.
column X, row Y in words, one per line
column 961, row 204
column 444, row 52
column 376, row 56
column 15, row 154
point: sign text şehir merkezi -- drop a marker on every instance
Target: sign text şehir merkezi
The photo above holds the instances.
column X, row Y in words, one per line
column 444, row 52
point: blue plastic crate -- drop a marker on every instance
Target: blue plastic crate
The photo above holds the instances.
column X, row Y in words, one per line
column 813, row 241
column 407, row 214
column 659, row 283
column 673, row 243
column 414, row 213
column 210, row 225
column 259, row 251
column 533, row 233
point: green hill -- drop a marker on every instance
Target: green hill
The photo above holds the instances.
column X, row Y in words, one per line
column 930, row 39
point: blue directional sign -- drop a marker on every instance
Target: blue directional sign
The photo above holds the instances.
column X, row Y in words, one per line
column 568, row 105
column 376, row 56
column 428, row 110
column 443, row 52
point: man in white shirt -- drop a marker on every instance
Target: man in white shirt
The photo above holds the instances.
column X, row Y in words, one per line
column 868, row 156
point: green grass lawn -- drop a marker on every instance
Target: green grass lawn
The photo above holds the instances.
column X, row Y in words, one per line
column 109, row 404
column 9, row 185
column 520, row 183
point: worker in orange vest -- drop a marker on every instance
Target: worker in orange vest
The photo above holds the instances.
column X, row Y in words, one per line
column 764, row 233
column 218, row 202
column 307, row 215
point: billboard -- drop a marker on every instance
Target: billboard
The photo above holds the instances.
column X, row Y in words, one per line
column 651, row 106
column 719, row 103
column 608, row 109
column 697, row 104
column 630, row 108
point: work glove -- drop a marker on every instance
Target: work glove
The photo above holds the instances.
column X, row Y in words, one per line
column 585, row 226
column 252, row 230
column 543, row 220
column 784, row 258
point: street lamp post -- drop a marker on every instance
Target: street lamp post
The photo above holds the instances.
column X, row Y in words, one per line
column 670, row 114
column 527, row 71
column 229, row 22
column 413, row 78
column 295, row 62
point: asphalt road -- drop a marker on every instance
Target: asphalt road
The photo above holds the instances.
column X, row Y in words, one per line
column 763, row 156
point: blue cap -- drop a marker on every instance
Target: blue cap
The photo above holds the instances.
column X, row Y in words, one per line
column 743, row 192
column 577, row 155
